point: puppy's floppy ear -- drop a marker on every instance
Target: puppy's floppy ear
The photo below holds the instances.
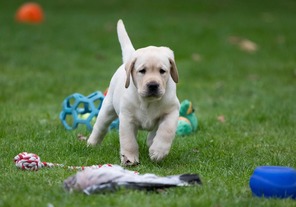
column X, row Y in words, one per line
column 174, row 70
column 129, row 67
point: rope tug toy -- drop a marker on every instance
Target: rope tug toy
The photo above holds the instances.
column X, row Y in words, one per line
column 107, row 178
column 32, row 162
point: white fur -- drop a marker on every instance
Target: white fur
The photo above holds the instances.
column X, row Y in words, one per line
column 147, row 102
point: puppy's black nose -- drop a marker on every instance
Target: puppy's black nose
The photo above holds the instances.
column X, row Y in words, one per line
column 152, row 87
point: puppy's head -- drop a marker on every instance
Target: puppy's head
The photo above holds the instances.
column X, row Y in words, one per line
column 151, row 68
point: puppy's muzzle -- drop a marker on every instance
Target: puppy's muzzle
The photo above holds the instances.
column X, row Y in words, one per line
column 152, row 89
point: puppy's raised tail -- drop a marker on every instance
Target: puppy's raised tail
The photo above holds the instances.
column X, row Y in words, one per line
column 127, row 47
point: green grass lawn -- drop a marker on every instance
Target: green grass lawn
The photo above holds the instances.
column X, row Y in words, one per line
column 76, row 50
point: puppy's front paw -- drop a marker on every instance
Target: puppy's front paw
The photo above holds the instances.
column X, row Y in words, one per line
column 91, row 142
column 158, row 152
column 129, row 161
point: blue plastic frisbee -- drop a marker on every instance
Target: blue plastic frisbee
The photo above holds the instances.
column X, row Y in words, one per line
column 274, row 182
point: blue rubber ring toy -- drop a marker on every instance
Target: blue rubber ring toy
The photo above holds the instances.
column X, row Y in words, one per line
column 274, row 182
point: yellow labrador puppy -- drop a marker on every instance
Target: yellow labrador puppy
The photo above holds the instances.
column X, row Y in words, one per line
column 142, row 93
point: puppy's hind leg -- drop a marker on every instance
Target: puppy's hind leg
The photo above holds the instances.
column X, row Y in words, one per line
column 105, row 117
column 150, row 137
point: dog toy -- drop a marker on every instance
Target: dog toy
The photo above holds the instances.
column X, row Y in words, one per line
column 110, row 179
column 85, row 116
column 76, row 106
column 78, row 109
column 32, row 162
column 187, row 122
column 274, row 182
column 107, row 177
column 30, row 13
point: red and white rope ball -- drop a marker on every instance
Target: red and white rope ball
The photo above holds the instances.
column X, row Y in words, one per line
column 28, row 161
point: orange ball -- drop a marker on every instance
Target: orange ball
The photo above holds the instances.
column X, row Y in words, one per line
column 30, row 13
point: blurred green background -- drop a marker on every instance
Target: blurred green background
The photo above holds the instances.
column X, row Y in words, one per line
column 236, row 61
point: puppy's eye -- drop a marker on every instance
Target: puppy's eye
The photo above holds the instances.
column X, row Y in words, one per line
column 162, row 71
column 143, row 71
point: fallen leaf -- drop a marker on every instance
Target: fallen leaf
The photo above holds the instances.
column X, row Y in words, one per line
column 248, row 46
column 243, row 44
column 80, row 137
column 196, row 57
column 221, row 118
